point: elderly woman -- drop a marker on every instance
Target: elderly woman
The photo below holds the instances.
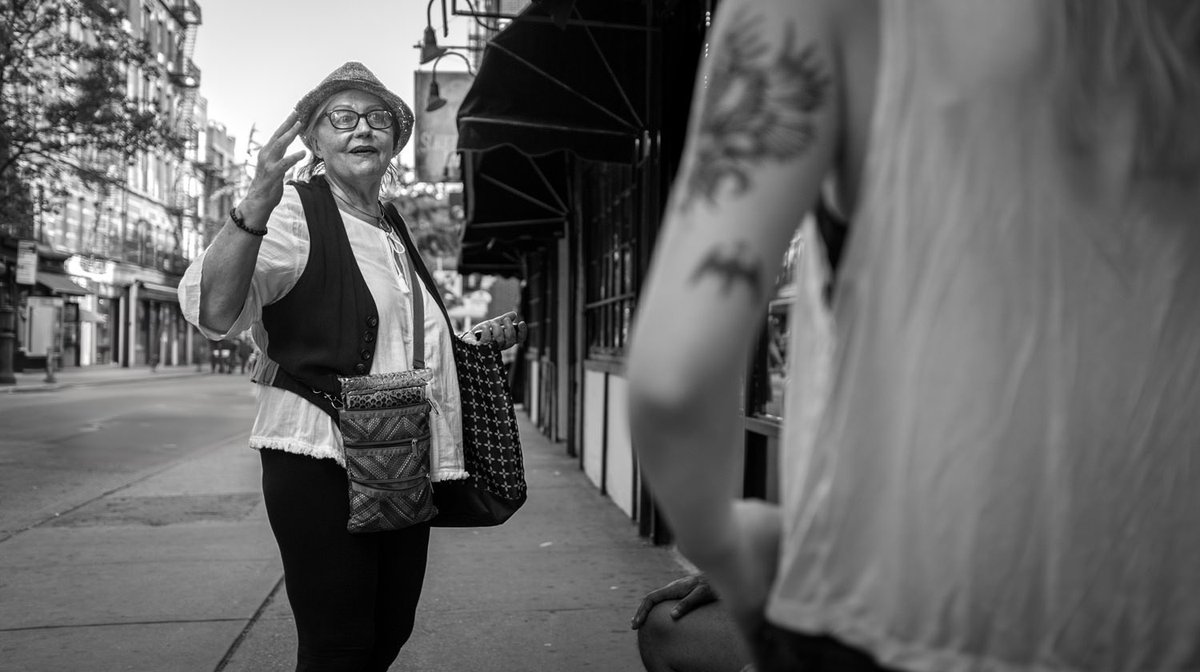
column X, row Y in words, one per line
column 321, row 277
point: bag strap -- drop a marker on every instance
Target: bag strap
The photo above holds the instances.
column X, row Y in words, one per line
column 418, row 313
column 397, row 222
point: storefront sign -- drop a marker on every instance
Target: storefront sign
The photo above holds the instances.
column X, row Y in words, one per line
column 436, row 132
column 26, row 262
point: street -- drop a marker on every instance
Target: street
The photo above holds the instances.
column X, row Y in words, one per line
column 133, row 537
column 63, row 449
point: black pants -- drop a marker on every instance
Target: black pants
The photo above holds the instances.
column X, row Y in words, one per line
column 779, row 650
column 354, row 596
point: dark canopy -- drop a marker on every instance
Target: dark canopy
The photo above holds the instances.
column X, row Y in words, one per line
column 544, row 95
column 514, row 202
column 580, row 88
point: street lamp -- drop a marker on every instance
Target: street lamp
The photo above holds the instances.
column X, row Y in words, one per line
column 559, row 10
column 435, row 100
column 429, row 46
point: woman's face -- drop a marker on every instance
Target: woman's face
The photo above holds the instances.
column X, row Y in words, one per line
column 356, row 154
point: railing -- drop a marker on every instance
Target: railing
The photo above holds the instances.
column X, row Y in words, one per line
column 185, row 73
column 186, row 12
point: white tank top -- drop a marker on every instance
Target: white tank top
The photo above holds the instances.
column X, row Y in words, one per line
column 992, row 452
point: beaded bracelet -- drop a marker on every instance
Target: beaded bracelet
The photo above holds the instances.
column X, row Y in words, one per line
column 241, row 223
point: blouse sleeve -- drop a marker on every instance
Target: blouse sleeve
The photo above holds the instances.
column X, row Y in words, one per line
column 281, row 260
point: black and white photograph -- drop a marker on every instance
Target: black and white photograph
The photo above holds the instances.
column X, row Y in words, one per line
column 600, row 336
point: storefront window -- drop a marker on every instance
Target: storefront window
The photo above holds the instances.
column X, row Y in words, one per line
column 769, row 372
column 106, row 311
column 610, row 252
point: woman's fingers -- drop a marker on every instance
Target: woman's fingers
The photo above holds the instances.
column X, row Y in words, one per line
column 292, row 121
column 273, row 164
column 505, row 331
column 289, row 134
column 483, row 332
column 275, row 148
column 292, row 159
column 279, row 141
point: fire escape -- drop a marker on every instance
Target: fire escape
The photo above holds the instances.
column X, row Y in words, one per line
column 184, row 74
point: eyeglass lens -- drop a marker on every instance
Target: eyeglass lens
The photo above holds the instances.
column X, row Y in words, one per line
column 347, row 119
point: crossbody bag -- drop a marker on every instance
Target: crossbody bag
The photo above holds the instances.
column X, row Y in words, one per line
column 386, row 434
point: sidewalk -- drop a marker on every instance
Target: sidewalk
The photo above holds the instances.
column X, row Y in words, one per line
column 180, row 572
column 34, row 380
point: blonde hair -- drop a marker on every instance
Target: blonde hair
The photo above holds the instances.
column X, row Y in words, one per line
column 1143, row 54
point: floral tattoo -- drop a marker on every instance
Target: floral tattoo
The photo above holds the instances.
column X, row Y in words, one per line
column 757, row 107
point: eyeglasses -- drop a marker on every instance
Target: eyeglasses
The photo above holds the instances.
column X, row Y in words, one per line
column 344, row 120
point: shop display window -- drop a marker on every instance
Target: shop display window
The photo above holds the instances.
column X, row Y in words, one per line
column 768, row 374
column 611, row 254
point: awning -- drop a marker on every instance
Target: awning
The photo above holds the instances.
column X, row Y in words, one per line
column 545, row 96
column 156, row 292
column 60, row 284
column 582, row 88
column 514, row 202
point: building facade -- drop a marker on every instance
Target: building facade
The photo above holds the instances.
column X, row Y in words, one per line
column 570, row 139
column 112, row 250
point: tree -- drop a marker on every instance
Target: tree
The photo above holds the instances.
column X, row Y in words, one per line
column 64, row 67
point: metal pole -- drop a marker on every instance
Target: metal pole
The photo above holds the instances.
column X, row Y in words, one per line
column 50, row 361
column 8, row 337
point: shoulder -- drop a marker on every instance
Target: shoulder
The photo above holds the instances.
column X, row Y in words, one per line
column 836, row 36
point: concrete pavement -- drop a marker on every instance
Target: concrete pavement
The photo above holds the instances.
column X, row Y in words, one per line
column 180, row 572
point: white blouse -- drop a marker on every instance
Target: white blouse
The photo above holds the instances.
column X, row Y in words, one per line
column 284, row 420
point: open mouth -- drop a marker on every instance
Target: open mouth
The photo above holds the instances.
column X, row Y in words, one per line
column 364, row 150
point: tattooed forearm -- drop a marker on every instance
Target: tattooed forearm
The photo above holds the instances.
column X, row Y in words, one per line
column 756, row 107
column 732, row 266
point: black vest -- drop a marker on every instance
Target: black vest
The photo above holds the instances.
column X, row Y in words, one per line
column 327, row 325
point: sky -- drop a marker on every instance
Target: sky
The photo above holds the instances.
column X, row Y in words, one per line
column 257, row 58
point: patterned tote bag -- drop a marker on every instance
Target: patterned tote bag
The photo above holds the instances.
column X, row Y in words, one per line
column 491, row 445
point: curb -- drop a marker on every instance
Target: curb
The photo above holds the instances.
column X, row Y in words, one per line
column 54, row 387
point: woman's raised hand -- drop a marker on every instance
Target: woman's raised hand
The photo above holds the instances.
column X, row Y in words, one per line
column 266, row 189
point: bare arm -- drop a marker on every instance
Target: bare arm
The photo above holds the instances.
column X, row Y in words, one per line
column 762, row 137
column 229, row 262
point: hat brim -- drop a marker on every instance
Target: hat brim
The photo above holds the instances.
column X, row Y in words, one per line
column 309, row 104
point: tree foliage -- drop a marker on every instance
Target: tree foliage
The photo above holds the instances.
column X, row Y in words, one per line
column 63, row 105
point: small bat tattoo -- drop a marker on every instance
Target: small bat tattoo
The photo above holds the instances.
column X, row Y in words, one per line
column 731, row 267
